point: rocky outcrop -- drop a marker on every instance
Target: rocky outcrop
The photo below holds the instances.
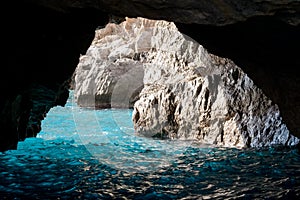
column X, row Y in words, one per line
column 187, row 92
column 101, row 77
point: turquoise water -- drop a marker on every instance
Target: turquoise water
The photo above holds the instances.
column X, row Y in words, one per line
column 88, row 154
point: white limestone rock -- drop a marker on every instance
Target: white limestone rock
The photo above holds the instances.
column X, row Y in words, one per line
column 187, row 93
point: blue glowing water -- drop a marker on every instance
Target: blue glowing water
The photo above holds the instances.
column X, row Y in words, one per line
column 88, row 154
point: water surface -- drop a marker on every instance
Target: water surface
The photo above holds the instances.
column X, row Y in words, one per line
column 88, row 154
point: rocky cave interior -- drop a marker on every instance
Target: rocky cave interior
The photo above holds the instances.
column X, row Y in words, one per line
column 42, row 45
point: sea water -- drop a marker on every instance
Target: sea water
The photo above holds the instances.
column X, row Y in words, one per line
column 95, row 154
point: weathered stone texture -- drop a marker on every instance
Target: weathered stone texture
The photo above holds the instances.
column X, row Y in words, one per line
column 187, row 92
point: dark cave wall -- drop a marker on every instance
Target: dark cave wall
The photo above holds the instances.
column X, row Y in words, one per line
column 41, row 48
column 42, row 44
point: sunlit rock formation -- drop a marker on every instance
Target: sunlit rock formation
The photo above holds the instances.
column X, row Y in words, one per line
column 101, row 77
column 187, row 92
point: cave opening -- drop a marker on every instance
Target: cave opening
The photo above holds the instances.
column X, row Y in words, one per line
column 259, row 45
column 121, row 165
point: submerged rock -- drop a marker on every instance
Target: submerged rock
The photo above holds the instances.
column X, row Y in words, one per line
column 177, row 88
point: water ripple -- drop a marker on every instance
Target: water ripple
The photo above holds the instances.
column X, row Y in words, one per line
column 62, row 163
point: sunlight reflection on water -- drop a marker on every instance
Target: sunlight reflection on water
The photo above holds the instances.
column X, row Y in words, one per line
column 88, row 154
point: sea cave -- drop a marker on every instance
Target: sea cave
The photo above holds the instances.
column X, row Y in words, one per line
column 150, row 100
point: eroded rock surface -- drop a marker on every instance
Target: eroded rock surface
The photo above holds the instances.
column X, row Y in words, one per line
column 187, row 92
column 111, row 72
